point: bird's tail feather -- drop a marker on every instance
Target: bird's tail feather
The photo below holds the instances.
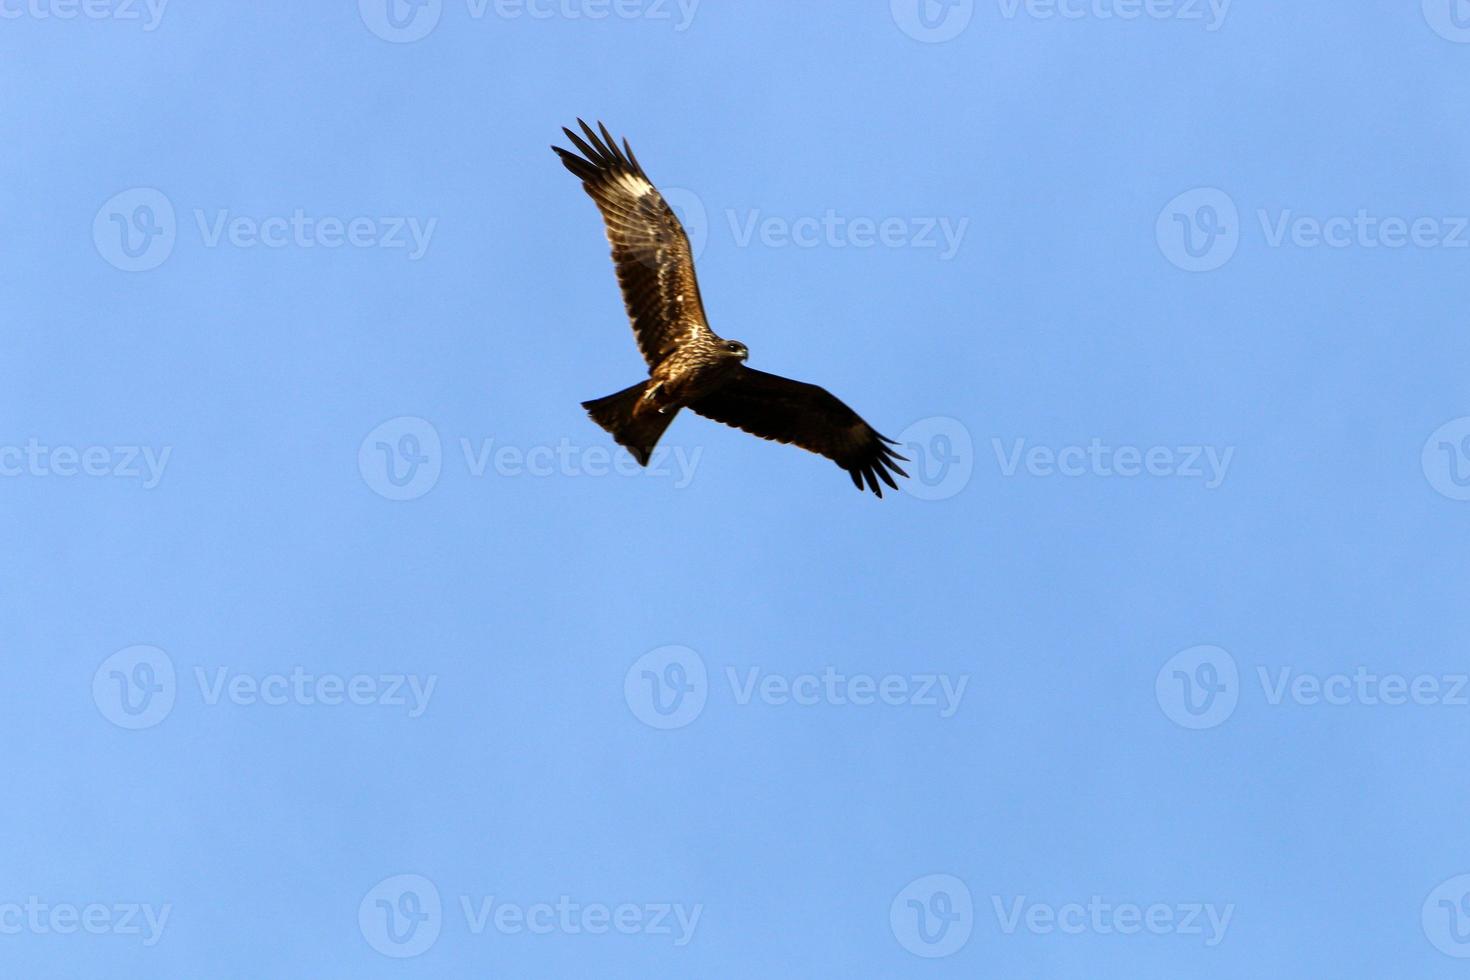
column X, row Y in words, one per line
column 636, row 427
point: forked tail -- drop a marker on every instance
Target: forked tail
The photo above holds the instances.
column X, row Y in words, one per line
column 636, row 427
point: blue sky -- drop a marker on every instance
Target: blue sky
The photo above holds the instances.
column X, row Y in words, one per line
column 340, row 645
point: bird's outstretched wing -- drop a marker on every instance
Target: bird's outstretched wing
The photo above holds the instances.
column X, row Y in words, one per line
column 813, row 418
column 654, row 262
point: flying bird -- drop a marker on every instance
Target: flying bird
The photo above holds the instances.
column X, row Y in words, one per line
column 689, row 365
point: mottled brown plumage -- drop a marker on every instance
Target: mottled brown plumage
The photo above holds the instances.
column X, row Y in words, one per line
column 689, row 365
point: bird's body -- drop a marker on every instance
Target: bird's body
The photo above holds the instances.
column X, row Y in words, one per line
column 693, row 370
column 689, row 365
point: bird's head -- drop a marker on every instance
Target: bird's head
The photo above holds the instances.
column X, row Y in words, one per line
column 734, row 348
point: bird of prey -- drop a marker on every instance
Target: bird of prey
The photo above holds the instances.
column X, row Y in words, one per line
column 689, row 365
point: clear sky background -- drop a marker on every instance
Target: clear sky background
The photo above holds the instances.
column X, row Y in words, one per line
column 1136, row 289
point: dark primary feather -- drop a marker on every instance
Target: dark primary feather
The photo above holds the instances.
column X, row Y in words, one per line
column 650, row 250
column 813, row 418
